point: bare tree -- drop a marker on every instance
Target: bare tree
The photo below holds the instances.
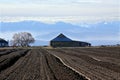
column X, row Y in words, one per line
column 22, row 39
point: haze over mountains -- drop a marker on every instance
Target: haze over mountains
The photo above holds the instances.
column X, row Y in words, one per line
column 96, row 33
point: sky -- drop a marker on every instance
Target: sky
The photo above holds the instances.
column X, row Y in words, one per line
column 72, row 11
column 77, row 13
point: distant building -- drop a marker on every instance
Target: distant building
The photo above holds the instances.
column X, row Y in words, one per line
column 62, row 41
column 3, row 43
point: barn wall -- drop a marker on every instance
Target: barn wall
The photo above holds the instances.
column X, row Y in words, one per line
column 83, row 44
column 64, row 44
column 68, row 44
column 3, row 44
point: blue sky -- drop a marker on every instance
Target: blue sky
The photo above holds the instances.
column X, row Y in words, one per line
column 81, row 16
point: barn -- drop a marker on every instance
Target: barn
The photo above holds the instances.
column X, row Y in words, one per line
column 3, row 43
column 63, row 41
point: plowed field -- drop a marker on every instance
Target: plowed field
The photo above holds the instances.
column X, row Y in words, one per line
column 60, row 64
column 34, row 64
column 95, row 63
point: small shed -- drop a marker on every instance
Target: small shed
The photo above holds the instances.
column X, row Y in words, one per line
column 63, row 41
column 3, row 43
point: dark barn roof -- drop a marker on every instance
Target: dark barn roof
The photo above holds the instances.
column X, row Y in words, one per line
column 63, row 41
column 3, row 41
column 61, row 37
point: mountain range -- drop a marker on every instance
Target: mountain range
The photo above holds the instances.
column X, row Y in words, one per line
column 96, row 33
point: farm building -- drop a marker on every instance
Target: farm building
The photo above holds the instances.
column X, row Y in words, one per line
column 3, row 43
column 63, row 41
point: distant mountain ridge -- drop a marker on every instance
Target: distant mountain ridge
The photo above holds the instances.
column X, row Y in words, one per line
column 36, row 25
column 98, row 31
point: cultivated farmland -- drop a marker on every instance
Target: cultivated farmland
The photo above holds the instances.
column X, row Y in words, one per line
column 35, row 64
column 95, row 63
column 60, row 64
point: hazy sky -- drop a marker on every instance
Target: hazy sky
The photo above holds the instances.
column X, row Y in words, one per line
column 73, row 11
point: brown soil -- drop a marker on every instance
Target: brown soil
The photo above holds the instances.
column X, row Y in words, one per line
column 95, row 63
column 35, row 64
